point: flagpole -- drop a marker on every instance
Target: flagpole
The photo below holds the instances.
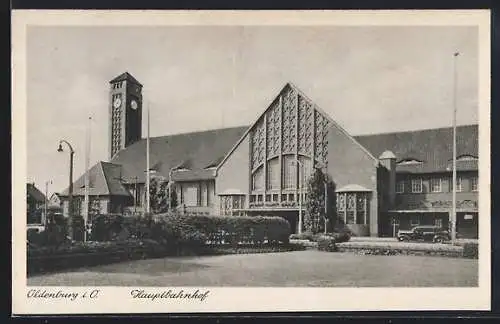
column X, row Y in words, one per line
column 87, row 162
column 454, row 196
column 147, row 164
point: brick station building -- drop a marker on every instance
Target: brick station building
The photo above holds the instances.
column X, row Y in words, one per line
column 383, row 182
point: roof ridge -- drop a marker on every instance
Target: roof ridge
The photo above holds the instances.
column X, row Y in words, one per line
column 415, row 130
column 193, row 132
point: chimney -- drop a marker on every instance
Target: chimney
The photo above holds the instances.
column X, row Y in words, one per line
column 388, row 160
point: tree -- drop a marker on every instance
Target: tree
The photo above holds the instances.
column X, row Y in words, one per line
column 158, row 195
column 173, row 199
column 315, row 202
column 317, row 216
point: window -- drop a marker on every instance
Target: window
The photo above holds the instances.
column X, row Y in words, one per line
column 416, row 185
column 473, row 183
column 414, row 220
column 273, row 174
column 400, row 186
column 352, row 207
column 435, row 184
column 458, row 184
column 289, row 173
column 228, row 203
column 438, row 222
column 305, row 171
column 190, row 195
column 258, row 179
column 360, row 208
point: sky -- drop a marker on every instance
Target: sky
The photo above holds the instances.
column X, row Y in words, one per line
column 370, row 79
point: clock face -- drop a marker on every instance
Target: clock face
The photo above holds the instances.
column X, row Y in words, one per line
column 133, row 104
column 117, row 103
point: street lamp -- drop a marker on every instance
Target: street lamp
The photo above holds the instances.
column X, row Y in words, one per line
column 454, row 174
column 301, row 168
column 169, row 188
column 46, row 202
column 70, row 193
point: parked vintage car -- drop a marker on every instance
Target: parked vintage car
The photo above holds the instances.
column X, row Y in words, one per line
column 425, row 233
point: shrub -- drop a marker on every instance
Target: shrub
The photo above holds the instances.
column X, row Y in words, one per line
column 326, row 243
column 342, row 237
column 108, row 227
column 471, row 250
column 303, row 236
column 53, row 235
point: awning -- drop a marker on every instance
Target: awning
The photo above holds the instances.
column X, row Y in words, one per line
column 231, row 192
column 353, row 188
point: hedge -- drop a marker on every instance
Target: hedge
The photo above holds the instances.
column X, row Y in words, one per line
column 50, row 258
column 338, row 237
column 327, row 243
column 201, row 229
column 193, row 230
column 471, row 250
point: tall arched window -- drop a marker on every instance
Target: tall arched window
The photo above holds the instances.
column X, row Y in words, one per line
column 273, row 174
column 258, row 179
column 289, row 172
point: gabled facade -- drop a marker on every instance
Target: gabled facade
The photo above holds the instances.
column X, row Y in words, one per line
column 262, row 169
column 267, row 171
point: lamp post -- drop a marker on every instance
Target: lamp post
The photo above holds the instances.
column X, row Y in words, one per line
column 70, row 189
column 454, row 193
column 301, row 168
column 169, row 188
column 46, row 202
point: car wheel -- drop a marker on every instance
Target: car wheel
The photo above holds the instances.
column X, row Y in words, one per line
column 438, row 240
column 403, row 239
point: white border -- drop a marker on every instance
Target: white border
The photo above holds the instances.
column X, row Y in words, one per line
column 117, row 300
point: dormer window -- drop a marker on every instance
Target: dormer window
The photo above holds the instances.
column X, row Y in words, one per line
column 410, row 161
column 467, row 157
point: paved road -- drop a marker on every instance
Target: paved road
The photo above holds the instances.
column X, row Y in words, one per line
column 301, row 268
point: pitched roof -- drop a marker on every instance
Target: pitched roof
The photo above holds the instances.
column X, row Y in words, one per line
column 431, row 148
column 104, row 179
column 194, row 152
column 34, row 193
column 125, row 77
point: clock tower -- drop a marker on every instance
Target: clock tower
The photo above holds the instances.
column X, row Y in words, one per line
column 125, row 112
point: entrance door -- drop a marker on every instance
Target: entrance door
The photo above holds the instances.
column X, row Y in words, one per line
column 395, row 225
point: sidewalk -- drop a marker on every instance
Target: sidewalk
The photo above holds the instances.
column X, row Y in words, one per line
column 393, row 239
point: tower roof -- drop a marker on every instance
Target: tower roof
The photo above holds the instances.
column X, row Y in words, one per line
column 125, row 77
